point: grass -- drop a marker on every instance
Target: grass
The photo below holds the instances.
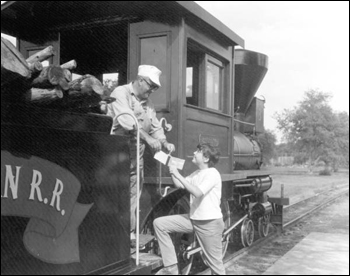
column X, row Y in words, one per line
column 299, row 184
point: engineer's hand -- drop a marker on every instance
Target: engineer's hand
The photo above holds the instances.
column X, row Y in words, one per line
column 155, row 144
column 170, row 147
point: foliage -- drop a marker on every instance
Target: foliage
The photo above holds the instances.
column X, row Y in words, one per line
column 325, row 171
column 314, row 130
column 284, row 149
column 300, row 158
column 267, row 141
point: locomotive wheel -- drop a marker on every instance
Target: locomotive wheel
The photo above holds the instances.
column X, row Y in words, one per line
column 182, row 241
column 263, row 225
column 247, row 232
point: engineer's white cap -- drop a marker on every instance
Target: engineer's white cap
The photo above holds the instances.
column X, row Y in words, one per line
column 151, row 72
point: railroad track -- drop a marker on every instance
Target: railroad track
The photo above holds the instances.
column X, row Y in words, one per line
column 336, row 188
column 292, row 214
column 320, row 201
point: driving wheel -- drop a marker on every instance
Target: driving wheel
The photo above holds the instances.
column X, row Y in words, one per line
column 247, row 232
column 263, row 225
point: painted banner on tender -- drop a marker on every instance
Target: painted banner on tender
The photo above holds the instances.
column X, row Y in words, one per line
column 46, row 193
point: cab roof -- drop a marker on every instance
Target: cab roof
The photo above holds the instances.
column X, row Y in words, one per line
column 24, row 19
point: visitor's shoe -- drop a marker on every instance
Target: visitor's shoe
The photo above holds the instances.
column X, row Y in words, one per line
column 169, row 270
column 132, row 240
column 133, row 243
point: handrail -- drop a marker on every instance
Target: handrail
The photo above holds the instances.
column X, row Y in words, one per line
column 137, row 183
column 167, row 128
column 246, row 123
column 160, row 183
column 242, row 122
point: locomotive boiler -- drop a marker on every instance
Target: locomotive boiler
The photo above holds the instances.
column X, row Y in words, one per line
column 64, row 178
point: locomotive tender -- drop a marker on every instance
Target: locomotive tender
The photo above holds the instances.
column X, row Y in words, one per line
column 64, row 178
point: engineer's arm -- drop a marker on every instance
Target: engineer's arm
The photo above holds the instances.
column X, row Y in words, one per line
column 119, row 106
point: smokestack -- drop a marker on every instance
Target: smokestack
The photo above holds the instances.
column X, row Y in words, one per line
column 250, row 70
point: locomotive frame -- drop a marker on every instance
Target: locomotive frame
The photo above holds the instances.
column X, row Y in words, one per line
column 207, row 94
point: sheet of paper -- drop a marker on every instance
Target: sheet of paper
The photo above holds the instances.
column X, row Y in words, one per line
column 162, row 157
column 177, row 162
column 168, row 160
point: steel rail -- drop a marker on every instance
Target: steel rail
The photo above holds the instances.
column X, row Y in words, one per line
column 311, row 197
column 320, row 206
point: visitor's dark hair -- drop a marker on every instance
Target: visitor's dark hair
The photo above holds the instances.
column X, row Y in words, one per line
column 210, row 152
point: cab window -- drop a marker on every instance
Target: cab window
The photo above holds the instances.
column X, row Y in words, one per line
column 204, row 79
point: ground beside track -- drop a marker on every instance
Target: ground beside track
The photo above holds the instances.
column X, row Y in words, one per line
column 300, row 184
column 332, row 219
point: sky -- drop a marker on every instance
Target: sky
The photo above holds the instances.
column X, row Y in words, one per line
column 307, row 44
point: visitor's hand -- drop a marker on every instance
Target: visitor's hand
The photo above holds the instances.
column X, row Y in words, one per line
column 173, row 170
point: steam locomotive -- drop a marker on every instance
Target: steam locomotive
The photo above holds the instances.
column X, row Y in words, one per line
column 65, row 179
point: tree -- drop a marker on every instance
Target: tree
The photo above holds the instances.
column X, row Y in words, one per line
column 267, row 141
column 340, row 151
column 314, row 131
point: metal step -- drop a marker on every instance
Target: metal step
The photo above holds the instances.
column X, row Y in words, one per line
column 143, row 242
column 148, row 259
